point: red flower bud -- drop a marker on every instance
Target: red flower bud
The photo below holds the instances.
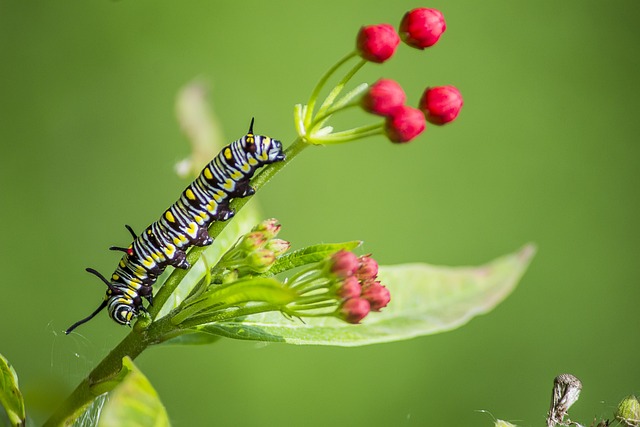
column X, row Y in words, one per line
column 441, row 104
column 377, row 295
column 377, row 43
column 344, row 264
column 349, row 288
column 368, row 268
column 354, row 310
column 422, row 27
column 383, row 97
column 404, row 124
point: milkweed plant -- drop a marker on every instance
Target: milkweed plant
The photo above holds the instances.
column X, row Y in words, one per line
column 239, row 277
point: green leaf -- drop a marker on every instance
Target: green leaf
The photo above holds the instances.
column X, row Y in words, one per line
column 425, row 300
column 133, row 402
column 110, row 383
column 193, row 337
column 10, row 396
column 239, row 331
column 309, row 255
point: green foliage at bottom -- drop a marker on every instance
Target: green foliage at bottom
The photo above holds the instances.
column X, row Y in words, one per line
column 134, row 402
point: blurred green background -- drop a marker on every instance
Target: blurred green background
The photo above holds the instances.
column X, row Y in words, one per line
column 545, row 150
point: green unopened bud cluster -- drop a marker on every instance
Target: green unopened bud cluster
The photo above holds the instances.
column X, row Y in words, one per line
column 254, row 253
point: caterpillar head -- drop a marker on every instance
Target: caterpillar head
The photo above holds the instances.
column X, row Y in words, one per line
column 121, row 302
column 122, row 309
column 263, row 148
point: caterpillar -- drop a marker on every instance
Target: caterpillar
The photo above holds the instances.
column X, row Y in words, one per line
column 184, row 224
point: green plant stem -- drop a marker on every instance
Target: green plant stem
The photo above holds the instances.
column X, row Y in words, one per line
column 319, row 120
column 228, row 315
column 351, row 134
column 329, row 101
column 145, row 333
column 312, row 299
column 298, row 310
column 323, row 80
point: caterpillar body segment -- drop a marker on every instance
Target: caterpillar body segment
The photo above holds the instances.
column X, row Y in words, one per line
column 184, row 224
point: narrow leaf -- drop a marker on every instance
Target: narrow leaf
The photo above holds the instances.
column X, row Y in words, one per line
column 133, row 403
column 425, row 300
column 10, row 395
column 309, row 255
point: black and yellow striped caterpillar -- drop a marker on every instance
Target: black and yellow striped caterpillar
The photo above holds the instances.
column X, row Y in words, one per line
column 183, row 225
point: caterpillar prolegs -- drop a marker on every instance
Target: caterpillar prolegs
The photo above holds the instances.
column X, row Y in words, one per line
column 182, row 225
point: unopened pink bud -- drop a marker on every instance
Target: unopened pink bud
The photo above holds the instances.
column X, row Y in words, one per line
column 422, row 27
column 354, row 310
column 441, row 104
column 383, row 97
column 349, row 288
column 344, row 264
column 368, row 268
column 377, row 295
column 404, row 124
column 377, row 43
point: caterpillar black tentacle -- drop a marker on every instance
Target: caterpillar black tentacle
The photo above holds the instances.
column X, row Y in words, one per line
column 184, row 224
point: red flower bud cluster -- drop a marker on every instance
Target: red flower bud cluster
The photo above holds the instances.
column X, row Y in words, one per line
column 360, row 292
column 419, row 28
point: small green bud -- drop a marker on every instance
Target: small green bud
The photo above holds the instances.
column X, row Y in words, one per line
column 278, row 246
column 230, row 276
column 261, row 260
column 269, row 227
column 252, row 241
column 502, row 423
column 628, row 412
